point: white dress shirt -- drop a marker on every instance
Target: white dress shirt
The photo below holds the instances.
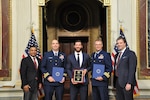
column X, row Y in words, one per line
column 80, row 56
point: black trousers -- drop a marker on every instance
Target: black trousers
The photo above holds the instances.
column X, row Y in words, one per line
column 49, row 90
column 122, row 94
column 100, row 93
column 81, row 89
column 30, row 95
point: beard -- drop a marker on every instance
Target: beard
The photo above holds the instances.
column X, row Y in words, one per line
column 78, row 49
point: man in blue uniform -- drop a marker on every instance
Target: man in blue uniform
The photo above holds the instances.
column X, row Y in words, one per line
column 53, row 58
column 100, row 84
column 78, row 60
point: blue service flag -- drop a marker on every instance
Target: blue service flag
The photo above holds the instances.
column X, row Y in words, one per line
column 57, row 73
column 98, row 70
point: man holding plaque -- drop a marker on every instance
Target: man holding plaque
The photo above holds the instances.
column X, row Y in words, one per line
column 78, row 65
column 53, row 69
column 101, row 71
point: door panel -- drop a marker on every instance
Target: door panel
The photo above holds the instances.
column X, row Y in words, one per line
column 67, row 43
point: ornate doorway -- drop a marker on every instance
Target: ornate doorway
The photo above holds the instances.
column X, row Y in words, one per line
column 70, row 20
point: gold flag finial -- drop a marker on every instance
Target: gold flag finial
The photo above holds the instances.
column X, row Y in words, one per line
column 32, row 30
column 121, row 28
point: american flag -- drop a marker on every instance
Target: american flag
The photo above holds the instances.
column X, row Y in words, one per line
column 32, row 42
column 115, row 51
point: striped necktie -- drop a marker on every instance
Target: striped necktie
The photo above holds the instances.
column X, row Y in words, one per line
column 117, row 62
column 35, row 64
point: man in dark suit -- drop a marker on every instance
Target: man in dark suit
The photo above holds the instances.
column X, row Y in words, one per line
column 81, row 62
column 51, row 59
column 31, row 75
column 100, row 84
column 125, row 69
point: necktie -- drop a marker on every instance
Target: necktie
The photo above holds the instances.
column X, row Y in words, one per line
column 35, row 64
column 95, row 55
column 78, row 60
column 55, row 54
column 117, row 62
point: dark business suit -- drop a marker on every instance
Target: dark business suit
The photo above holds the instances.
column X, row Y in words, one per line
column 82, row 88
column 100, row 88
column 126, row 69
column 30, row 75
column 48, row 62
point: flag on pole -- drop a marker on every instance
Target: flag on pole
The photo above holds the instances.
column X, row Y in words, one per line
column 32, row 42
column 115, row 51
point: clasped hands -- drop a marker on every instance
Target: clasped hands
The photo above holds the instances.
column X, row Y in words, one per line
column 99, row 78
column 51, row 79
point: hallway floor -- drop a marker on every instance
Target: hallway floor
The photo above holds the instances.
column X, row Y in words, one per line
column 136, row 98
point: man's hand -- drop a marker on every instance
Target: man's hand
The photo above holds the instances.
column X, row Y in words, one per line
column 40, row 85
column 26, row 88
column 99, row 78
column 73, row 81
column 50, row 79
column 84, row 72
column 128, row 87
column 63, row 80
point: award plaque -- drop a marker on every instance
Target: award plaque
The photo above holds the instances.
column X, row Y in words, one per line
column 78, row 76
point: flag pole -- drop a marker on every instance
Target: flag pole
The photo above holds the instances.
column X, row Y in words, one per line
column 32, row 29
column 121, row 28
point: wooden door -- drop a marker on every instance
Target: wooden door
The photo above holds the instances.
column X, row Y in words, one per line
column 67, row 43
column 66, row 46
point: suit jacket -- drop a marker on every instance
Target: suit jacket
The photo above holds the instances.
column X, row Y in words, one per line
column 104, row 59
column 72, row 64
column 29, row 74
column 127, row 68
column 49, row 61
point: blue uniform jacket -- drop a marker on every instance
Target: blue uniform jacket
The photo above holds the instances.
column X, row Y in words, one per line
column 105, row 59
column 48, row 62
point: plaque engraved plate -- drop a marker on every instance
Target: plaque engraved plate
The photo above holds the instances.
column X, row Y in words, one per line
column 78, row 76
